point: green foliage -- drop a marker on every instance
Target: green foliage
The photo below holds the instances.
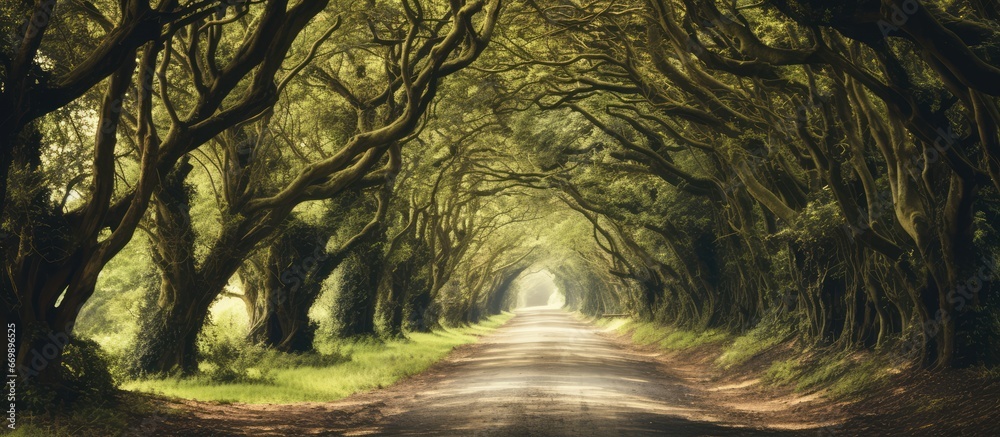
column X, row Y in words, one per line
column 85, row 367
column 234, row 361
column 355, row 302
column 818, row 224
column 227, row 361
column 662, row 146
column 84, row 379
column 111, row 315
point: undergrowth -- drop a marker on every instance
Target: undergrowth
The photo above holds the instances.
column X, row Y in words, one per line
column 767, row 334
column 665, row 337
column 844, row 374
column 339, row 370
column 131, row 411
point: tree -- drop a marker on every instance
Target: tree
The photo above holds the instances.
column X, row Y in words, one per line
column 412, row 67
column 50, row 290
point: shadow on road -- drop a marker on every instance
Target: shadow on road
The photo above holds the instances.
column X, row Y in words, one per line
column 547, row 374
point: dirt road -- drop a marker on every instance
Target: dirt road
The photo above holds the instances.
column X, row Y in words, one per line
column 547, row 374
column 544, row 373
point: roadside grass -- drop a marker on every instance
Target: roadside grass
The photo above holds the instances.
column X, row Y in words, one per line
column 371, row 365
column 843, row 374
column 753, row 343
column 78, row 424
column 665, row 337
column 92, row 420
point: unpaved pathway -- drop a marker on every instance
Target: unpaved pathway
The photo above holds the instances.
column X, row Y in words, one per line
column 544, row 373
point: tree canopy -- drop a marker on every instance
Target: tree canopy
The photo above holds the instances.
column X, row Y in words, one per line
column 832, row 168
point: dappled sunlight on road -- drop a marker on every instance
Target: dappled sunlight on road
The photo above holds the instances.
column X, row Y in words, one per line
column 546, row 373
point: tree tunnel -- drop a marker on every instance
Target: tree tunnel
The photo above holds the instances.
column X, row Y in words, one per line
column 373, row 169
column 537, row 288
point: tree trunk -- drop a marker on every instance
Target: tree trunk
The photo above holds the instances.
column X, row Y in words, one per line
column 279, row 296
column 171, row 325
column 399, row 281
column 422, row 314
column 168, row 339
column 279, row 314
column 355, row 305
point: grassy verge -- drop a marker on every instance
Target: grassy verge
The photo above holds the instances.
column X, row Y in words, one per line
column 776, row 360
column 845, row 375
column 102, row 420
column 371, row 365
column 664, row 337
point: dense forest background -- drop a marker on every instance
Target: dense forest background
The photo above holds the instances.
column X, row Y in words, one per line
column 185, row 181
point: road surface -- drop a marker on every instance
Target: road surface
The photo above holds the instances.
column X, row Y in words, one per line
column 544, row 373
column 547, row 374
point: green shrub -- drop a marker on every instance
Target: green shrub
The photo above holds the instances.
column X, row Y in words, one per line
column 84, row 379
column 232, row 360
column 227, row 361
